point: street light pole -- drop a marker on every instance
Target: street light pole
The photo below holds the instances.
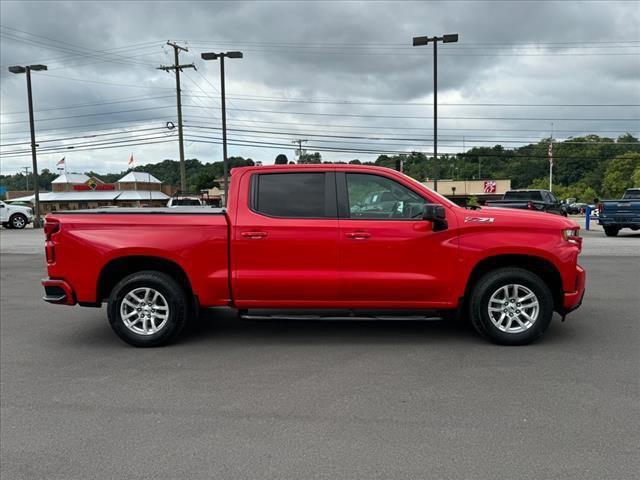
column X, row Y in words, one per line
column 418, row 41
column 435, row 116
column 225, row 161
column 37, row 223
column 225, row 166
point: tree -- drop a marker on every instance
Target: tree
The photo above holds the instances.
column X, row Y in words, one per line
column 618, row 174
column 635, row 178
column 310, row 158
column 282, row 159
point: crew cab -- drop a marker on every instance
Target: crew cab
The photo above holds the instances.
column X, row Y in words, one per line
column 15, row 216
column 614, row 215
column 538, row 200
column 308, row 239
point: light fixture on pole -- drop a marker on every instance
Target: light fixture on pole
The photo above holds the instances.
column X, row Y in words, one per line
column 419, row 41
column 37, row 223
column 221, row 56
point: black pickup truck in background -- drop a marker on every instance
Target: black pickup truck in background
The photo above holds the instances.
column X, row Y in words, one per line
column 537, row 200
column 624, row 213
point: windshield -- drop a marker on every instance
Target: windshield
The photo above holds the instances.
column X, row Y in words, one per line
column 631, row 195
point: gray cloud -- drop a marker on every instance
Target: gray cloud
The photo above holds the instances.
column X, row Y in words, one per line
column 357, row 51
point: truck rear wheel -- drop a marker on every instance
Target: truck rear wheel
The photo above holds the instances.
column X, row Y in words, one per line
column 611, row 231
column 511, row 306
column 148, row 309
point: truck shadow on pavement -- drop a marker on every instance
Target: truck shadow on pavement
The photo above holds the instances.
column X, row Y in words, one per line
column 218, row 327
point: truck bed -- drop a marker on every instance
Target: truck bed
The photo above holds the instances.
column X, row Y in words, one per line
column 193, row 239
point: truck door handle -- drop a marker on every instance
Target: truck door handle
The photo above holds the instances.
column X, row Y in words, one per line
column 358, row 235
column 254, row 235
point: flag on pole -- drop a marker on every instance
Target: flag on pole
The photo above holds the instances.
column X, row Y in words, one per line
column 60, row 162
column 550, row 154
column 130, row 160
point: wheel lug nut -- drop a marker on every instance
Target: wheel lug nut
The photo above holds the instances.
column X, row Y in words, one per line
column 517, row 311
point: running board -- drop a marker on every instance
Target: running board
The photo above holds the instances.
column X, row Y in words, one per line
column 341, row 316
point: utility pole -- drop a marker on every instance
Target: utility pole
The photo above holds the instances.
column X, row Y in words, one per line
column 178, row 68
column 26, row 174
column 299, row 142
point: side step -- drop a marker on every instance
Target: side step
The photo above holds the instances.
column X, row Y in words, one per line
column 341, row 315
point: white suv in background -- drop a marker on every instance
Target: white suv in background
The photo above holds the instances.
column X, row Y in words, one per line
column 15, row 216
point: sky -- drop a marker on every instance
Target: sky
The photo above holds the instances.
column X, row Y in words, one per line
column 342, row 75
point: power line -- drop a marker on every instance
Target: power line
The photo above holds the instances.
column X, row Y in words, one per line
column 75, row 49
column 286, row 134
column 86, row 136
column 76, row 52
column 116, row 112
column 461, row 104
column 95, row 104
column 324, row 114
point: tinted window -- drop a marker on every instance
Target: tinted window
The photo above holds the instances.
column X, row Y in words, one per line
column 523, row 196
column 299, row 195
column 186, row 201
column 373, row 196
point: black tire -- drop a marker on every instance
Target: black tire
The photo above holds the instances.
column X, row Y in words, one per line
column 176, row 300
column 611, row 231
column 18, row 221
column 490, row 283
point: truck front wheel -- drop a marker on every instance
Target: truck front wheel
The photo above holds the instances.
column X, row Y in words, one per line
column 147, row 309
column 511, row 306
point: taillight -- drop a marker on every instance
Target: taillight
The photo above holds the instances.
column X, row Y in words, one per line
column 572, row 235
column 51, row 226
column 600, row 207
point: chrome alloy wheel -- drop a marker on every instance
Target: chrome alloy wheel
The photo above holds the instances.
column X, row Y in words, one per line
column 513, row 308
column 144, row 311
column 18, row 222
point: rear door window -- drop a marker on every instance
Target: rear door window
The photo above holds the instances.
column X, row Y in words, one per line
column 294, row 195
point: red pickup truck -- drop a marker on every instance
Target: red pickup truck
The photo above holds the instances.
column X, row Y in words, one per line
column 320, row 241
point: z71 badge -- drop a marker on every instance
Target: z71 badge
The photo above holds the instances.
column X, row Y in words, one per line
column 478, row 219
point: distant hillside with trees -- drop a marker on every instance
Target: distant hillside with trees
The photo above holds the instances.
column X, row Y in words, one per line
column 584, row 167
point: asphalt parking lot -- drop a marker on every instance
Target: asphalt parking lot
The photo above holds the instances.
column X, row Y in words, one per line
column 306, row 400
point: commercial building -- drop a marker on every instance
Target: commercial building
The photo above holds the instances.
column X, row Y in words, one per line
column 73, row 191
column 461, row 191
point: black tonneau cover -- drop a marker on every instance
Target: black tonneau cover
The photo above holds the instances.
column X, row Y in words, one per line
column 186, row 210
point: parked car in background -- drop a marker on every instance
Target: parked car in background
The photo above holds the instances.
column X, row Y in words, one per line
column 15, row 216
column 536, row 200
column 295, row 241
column 614, row 215
column 576, row 208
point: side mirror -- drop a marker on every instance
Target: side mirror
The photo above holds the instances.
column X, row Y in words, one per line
column 437, row 215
